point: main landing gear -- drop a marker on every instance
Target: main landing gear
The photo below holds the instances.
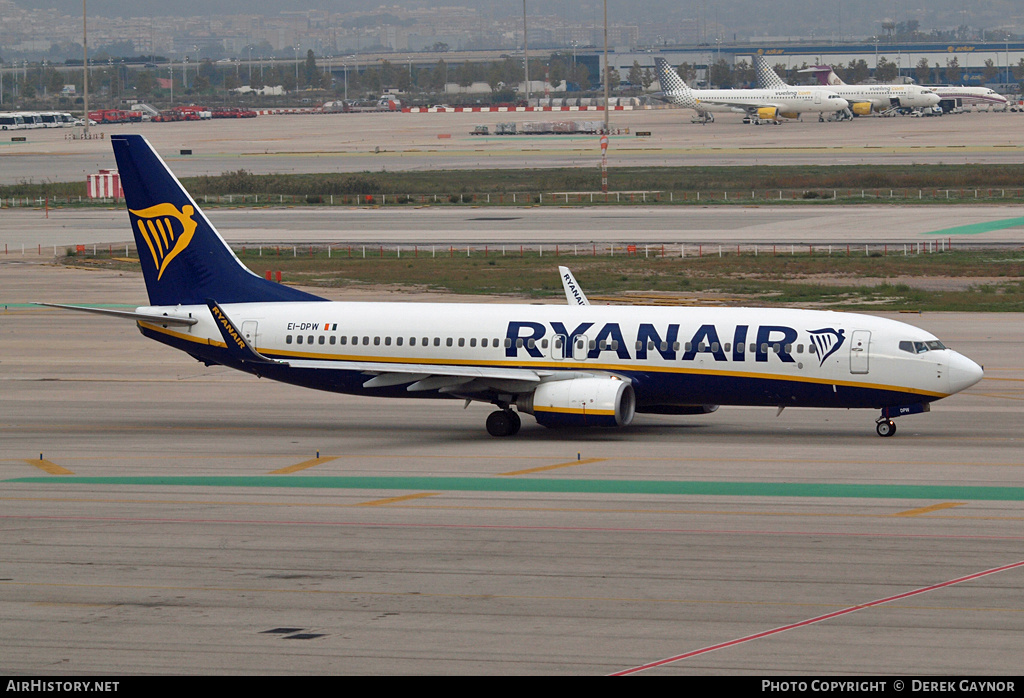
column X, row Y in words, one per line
column 503, row 423
column 885, row 427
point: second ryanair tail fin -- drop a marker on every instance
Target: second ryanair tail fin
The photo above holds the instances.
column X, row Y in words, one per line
column 184, row 258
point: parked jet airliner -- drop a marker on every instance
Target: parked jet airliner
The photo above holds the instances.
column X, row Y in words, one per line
column 766, row 105
column 943, row 93
column 567, row 365
column 863, row 99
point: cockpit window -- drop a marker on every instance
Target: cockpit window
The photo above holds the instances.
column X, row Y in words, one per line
column 921, row 347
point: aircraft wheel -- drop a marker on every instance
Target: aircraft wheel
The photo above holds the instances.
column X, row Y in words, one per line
column 500, row 423
column 516, row 422
column 886, row 427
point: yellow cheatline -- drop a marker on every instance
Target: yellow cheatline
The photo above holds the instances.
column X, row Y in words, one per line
column 392, row 500
column 304, row 465
column 544, row 468
column 47, row 466
column 928, row 510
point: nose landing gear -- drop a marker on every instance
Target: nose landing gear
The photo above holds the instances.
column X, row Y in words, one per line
column 885, row 427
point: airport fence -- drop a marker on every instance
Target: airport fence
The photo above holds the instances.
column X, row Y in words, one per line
column 126, row 251
column 758, row 196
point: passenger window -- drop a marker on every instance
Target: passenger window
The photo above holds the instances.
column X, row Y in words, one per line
column 437, row 341
column 483, row 342
column 508, row 343
column 288, row 339
column 462, row 341
column 387, row 341
column 412, row 341
column 726, row 346
column 714, row 346
column 398, row 341
column 448, row 341
column 366, row 341
column 334, row 339
column 531, row 343
column 309, row 339
column 321, row 340
column 376, row 341
column 298, row 339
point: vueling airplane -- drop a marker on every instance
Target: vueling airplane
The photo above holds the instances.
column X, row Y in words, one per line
column 763, row 105
column 865, row 99
column 570, row 365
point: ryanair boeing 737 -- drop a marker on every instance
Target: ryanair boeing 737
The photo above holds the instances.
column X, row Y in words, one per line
column 567, row 365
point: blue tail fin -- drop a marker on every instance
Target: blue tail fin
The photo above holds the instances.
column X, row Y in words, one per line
column 184, row 259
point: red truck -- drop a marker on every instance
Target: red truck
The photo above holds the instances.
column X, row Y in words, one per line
column 115, row 116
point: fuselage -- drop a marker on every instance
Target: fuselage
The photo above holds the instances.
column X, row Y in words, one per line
column 672, row 356
column 970, row 95
column 789, row 101
column 884, row 97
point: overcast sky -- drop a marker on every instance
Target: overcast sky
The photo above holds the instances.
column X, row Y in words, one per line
column 823, row 18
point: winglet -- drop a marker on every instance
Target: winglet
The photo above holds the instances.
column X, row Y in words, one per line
column 573, row 293
column 236, row 343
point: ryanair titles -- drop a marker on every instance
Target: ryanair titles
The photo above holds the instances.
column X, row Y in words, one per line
column 608, row 338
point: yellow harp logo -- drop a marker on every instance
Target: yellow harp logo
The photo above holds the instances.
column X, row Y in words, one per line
column 166, row 230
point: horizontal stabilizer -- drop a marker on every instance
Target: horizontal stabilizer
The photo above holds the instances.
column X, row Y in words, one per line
column 129, row 315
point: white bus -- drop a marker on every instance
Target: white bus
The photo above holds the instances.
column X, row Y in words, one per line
column 11, row 121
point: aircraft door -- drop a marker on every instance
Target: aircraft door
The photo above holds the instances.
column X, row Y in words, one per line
column 249, row 331
column 859, row 344
column 817, row 97
column 579, row 347
column 558, row 349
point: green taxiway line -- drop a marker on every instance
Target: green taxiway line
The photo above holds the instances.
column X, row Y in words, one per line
column 483, row 484
column 978, row 228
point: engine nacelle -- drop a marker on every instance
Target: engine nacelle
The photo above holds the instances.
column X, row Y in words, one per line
column 581, row 402
column 861, row 108
column 768, row 113
column 789, row 115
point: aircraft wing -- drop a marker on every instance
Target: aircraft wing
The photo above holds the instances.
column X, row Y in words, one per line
column 742, row 106
column 466, row 381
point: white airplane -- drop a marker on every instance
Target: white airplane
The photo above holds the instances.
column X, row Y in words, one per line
column 973, row 96
column 763, row 105
column 879, row 98
column 570, row 365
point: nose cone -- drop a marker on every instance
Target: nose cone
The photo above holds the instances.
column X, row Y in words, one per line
column 963, row 373
column 929, row 99
column 840, row 103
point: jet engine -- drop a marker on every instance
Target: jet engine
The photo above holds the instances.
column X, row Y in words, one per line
column 581, row 402
column 768, row 113
column 789, row 115
column 861, row 108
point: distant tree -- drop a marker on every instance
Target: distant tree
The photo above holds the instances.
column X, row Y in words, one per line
column 990, row 71
column 438, row 75
column 858, row 71
column 580, row 75
column 922, row 71
column 465, row 75
column 439, row 47
column 744, row 73
column 614, row 79
column 145, row 83
column 953, row 73
column 635, row 75
column 687, row 72
column 648, row 78
column 721, row 74
column 886, row 70
column 312, row 75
